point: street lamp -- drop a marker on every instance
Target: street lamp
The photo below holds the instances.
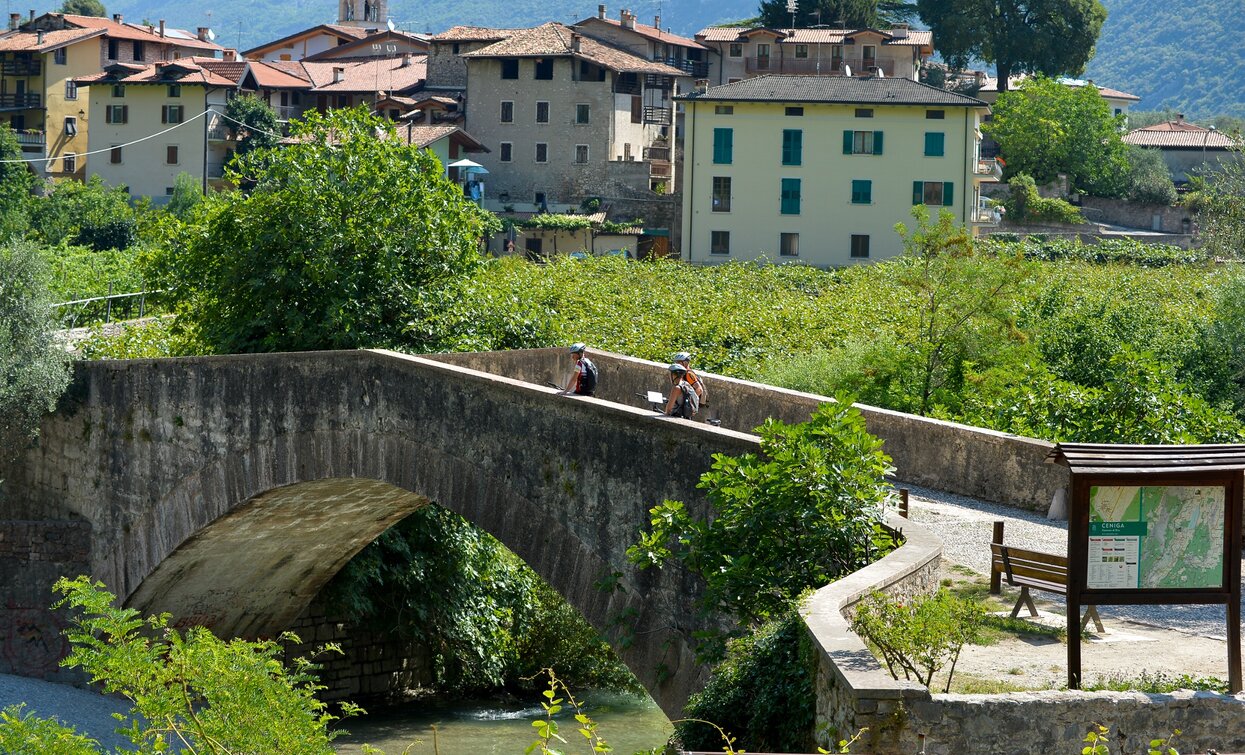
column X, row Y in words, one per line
column 1205, row 137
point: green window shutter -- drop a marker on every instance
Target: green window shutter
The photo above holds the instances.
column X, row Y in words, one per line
column 848, row 138
column 948, row 194
column 862, row 192
column 792, row 146
column 790, row 196
column 934, row 142
column 918, row 192
column 877, row 142
column 723, row 142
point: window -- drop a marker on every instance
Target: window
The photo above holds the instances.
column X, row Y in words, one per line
column 507, row 111
column 58, row 56
column 862, row 142
column 70, row 162
column 789, row 244
column 723, row 109
column 112, row 49
column 860, row 247
column 542, row 152
column 733, row 80
column 792, row 146
column 723, row 145
column 170, row 154
column 719, row 242
column 507, row 151
column 544, row 69
column 114, row 156
column 175, row 90
column 862, row 192
column 934, row 142
column 583, row 114
column 171, row 114
column 736, row 50
column 790, row 196
column 581, row 153
column 762, row 61
column 454, row 48
column 71, row 125
column 721, row 194
column 801, row 51
column 509, row 68
column 117, row 114
column 796, row 111
column 542, row 112
column 71, row 90
column 118, row 90
column 138, row 51
column 637, row 109
column 864, row 112
column 935, row 115
column 933, row 193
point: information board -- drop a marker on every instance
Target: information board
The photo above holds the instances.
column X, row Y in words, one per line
column 1143, row 537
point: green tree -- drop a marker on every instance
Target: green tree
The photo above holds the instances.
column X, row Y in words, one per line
column 33, row 368
column 1222, row 216
column 188, row 691
column 187, row 195
column 1148, row 178
column 16, row 181
column 253, row 123
column 342, row 232
column 1045, row 128
column 851, row 14
column 84, row 8
column 798, row 515
column 90, row 213
column 1053, row 37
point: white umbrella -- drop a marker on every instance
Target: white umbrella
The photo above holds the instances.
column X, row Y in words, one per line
column 468, row 166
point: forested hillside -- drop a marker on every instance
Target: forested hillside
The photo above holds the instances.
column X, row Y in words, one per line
column 1187, row 56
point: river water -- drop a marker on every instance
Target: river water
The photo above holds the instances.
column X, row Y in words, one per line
column 629, row 724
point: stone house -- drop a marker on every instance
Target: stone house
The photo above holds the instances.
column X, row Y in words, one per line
column 1187, row 148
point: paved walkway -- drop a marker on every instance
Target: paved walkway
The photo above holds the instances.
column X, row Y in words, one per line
column 965, row 526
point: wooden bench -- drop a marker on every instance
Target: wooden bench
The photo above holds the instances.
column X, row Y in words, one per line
column 1026, row 569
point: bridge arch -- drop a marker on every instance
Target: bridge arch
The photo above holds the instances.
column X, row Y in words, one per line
column 228, row 490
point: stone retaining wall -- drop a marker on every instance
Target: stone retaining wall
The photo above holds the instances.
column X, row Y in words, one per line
column 946, row 456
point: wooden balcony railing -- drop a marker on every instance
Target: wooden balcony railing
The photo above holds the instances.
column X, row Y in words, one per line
column 26, row 101
column 21, row 67
column 697, row 68
column 657, row 153
column 658, row 115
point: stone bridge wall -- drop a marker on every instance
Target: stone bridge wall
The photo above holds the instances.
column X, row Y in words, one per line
column 942, row 455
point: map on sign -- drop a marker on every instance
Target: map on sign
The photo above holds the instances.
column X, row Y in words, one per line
column 1155, row 537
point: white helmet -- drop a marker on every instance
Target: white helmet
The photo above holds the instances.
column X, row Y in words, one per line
column 577, row 348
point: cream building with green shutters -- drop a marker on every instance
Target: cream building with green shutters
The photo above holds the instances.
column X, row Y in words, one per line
column 819, row 169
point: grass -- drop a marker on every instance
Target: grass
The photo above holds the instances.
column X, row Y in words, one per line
column 1157, row 682
column 969, row 585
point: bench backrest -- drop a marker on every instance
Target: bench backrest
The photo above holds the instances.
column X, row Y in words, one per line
column 1028, row 565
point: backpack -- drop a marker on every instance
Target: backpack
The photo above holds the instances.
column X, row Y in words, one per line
column 687, row 406
column 589, row 378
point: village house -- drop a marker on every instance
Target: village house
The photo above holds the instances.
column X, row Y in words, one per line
column 41, row 62
column 1187, row 148
column 1119, row 102
column 819, row 169
column 129, row 102
column 742, row 53
column 649, row 42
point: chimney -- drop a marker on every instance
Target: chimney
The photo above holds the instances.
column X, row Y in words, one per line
column 628, row 19
column 116, row 17
column 657, row 22
column 701, row 86
column 601, row 11
column 15, row 20
column 576, row 41
column 899, row 31
column 406, row 60
column 1179, row 117
column 230, row 55
column 338, row 73
column 39, row 37
column 202, row 33
column 162, row 28
column 32, row 15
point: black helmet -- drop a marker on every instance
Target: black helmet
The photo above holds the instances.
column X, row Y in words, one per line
column 678, row 369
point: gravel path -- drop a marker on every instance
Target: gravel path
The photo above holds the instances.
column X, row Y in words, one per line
column 965, row 526
column 88, row 712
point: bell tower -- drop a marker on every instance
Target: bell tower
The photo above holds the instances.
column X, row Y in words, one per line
column 364, row 13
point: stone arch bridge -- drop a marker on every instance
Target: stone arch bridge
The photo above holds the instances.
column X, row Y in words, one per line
column 228, row 490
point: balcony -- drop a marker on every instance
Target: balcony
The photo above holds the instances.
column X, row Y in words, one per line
column 32, row 141
column 661, row 154
column 985, row 216
column 21, row 67
column 660, row 169
column 26, row 101
column 657, row 115
column 989, row 168
column 827, row 66
column 696, row 68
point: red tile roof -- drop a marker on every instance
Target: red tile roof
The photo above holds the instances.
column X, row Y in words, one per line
column 138, row 32
column 270, row 76
column 28, row 41
column 473, row 34
column 230, row 69
column 1179, row 133
column 648, row 32
column 333, row 30
column 381, row 75
column 175, row 72
column 554, row 39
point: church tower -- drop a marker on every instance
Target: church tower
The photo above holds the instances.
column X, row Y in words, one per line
column 370, row 14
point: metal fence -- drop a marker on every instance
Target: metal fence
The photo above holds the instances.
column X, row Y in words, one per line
column 81, row 313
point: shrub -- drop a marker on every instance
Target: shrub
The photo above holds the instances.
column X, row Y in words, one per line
column 919, row 638
column 1148, row 178
column 1025, row 204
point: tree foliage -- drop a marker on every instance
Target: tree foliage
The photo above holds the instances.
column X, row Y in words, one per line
column 1045, row 128
column 342, row 231
column 1148, row 178
column 188, row 691
column 849, row 14
column 253, row 123
column 16, row 181
column 1222, row 218
column 33, row 369
column 1052, row 37
column 89, row 213
column 84, row 8
column 800, row 514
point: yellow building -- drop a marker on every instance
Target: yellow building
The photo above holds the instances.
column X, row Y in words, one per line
column 819, row 169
